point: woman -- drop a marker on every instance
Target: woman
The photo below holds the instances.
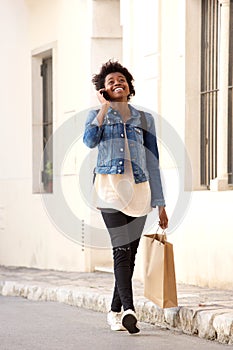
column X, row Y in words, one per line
column 127, row 180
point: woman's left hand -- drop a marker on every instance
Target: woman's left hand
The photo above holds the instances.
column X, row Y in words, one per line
column 163, row 219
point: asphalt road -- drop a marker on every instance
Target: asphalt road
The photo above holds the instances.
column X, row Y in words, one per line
column 30, row 325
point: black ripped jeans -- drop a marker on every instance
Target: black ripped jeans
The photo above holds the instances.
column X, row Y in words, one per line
column 125, row 233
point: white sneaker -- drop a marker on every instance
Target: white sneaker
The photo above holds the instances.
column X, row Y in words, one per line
column 114, row 321
column 129, row 321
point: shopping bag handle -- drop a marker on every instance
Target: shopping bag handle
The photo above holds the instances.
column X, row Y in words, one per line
column 161, row 236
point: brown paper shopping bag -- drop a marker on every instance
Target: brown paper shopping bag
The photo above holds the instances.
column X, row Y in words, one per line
column 159, row 271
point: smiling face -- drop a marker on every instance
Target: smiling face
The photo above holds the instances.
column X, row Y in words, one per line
column 117, row 87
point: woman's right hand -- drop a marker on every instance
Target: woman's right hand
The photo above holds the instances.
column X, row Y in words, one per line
column 101, row 98
column 105, row 104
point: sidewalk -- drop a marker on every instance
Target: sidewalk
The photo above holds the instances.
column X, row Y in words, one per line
column 205, row 312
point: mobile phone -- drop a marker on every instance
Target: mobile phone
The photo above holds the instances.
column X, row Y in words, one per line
column 105, row 94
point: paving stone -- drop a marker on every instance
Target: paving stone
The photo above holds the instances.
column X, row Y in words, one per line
column 204, row 324
column 172, row 317
column 223, row 325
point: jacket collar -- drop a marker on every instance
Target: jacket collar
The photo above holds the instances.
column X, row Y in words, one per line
column 135, row 115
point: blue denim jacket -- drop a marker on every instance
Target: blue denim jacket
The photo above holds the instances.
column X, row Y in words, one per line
column 110, row 139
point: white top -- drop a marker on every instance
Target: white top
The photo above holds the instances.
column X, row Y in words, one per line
column 120, row 192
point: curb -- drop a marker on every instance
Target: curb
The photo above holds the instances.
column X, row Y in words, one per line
column 206, row 322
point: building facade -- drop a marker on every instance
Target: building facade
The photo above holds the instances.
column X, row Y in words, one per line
column 180, row 54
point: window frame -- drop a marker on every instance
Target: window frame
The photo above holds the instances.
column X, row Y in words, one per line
column 47, row 123
column 230, row 101
column 209, row 91
column 38, row 166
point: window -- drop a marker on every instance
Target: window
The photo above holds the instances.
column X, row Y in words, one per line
column 209, row 90
column 230, row 100
column 47, row 171
column 42, row 118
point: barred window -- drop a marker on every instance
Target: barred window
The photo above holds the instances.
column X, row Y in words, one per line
column 230, row 100
column 209, row 90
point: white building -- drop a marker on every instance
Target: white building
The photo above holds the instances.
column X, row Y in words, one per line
column 180, row 55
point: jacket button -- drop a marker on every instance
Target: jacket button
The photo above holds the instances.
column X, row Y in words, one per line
column 122, row 135
column 119, row 170
column 120, row 162
column 121, row 149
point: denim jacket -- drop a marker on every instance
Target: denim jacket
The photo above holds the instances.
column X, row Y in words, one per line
column 110, row 139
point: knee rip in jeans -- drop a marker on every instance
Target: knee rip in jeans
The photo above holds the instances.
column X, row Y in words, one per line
column 124, row 249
